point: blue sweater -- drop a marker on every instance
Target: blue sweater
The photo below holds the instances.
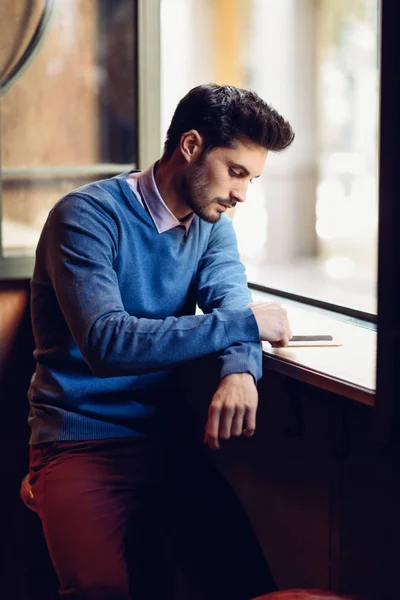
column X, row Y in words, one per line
column 113, row 305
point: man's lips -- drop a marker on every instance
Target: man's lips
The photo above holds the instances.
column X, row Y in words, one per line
column 225, row 205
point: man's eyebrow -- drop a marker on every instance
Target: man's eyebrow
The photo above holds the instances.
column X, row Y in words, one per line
column 243, row 168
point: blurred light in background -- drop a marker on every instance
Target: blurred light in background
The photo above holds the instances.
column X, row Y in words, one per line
column 309, row 225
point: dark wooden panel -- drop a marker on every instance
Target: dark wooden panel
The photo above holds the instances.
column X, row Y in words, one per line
column 370, row 523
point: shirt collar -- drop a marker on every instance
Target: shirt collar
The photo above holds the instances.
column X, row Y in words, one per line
column 163, row 218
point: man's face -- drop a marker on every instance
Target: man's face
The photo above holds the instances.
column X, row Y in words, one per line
column 218, row 179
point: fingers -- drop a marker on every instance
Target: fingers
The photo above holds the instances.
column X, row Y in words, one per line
column 272, row 320
column 250, row 422
column 225, row 423
column 286, row 333
column 228, row 422
column 222, row 422
column 232, row 410
column 212, row 426
column 281, row 344
column 237, row 423
column 211, row 442
column 286, row 336
column 288, row 328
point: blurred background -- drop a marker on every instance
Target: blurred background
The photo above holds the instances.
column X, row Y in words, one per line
column 309, row 225
column 71, row 117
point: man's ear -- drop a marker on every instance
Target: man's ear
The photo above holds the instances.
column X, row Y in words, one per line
column 191, row 145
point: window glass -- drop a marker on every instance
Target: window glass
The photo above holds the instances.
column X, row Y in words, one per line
column 72, row 115
column 309, row 225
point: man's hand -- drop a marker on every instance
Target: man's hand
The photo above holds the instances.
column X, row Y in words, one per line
column 232, row 410
column 273, row 322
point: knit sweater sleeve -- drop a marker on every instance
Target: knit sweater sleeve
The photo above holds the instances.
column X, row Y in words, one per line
column 80, row 242
column 222, row 285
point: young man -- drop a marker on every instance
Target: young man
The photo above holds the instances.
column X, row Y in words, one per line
column 120, row 267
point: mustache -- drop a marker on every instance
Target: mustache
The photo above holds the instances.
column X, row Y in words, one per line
column 226, row 202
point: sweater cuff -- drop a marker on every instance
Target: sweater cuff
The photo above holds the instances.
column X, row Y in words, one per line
column 240, row 325
column 235, row 363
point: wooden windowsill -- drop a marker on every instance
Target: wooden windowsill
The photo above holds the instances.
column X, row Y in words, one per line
column 348, row 370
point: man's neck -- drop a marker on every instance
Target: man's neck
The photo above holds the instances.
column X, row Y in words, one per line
column 167, row 179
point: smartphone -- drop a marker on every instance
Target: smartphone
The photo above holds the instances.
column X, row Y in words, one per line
column 314, row 340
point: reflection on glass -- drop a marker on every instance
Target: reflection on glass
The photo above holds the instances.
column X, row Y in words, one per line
column 309, row 224
column 72, row 116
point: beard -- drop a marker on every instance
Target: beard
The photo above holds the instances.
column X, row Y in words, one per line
column 194, row 191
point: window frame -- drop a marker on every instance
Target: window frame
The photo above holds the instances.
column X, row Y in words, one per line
column 351, row 313
column 387, row 421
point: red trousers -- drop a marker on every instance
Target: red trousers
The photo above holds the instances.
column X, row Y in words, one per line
column 130, row 519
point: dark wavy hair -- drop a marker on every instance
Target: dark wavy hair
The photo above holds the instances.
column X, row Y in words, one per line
column 224, row 114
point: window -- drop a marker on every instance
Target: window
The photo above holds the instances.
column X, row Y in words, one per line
column 309, row 225
column 71, row 117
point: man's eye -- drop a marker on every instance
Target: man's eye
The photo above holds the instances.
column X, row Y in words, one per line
column 234, row 173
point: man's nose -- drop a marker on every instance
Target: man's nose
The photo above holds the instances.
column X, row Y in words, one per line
column 239, row 194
